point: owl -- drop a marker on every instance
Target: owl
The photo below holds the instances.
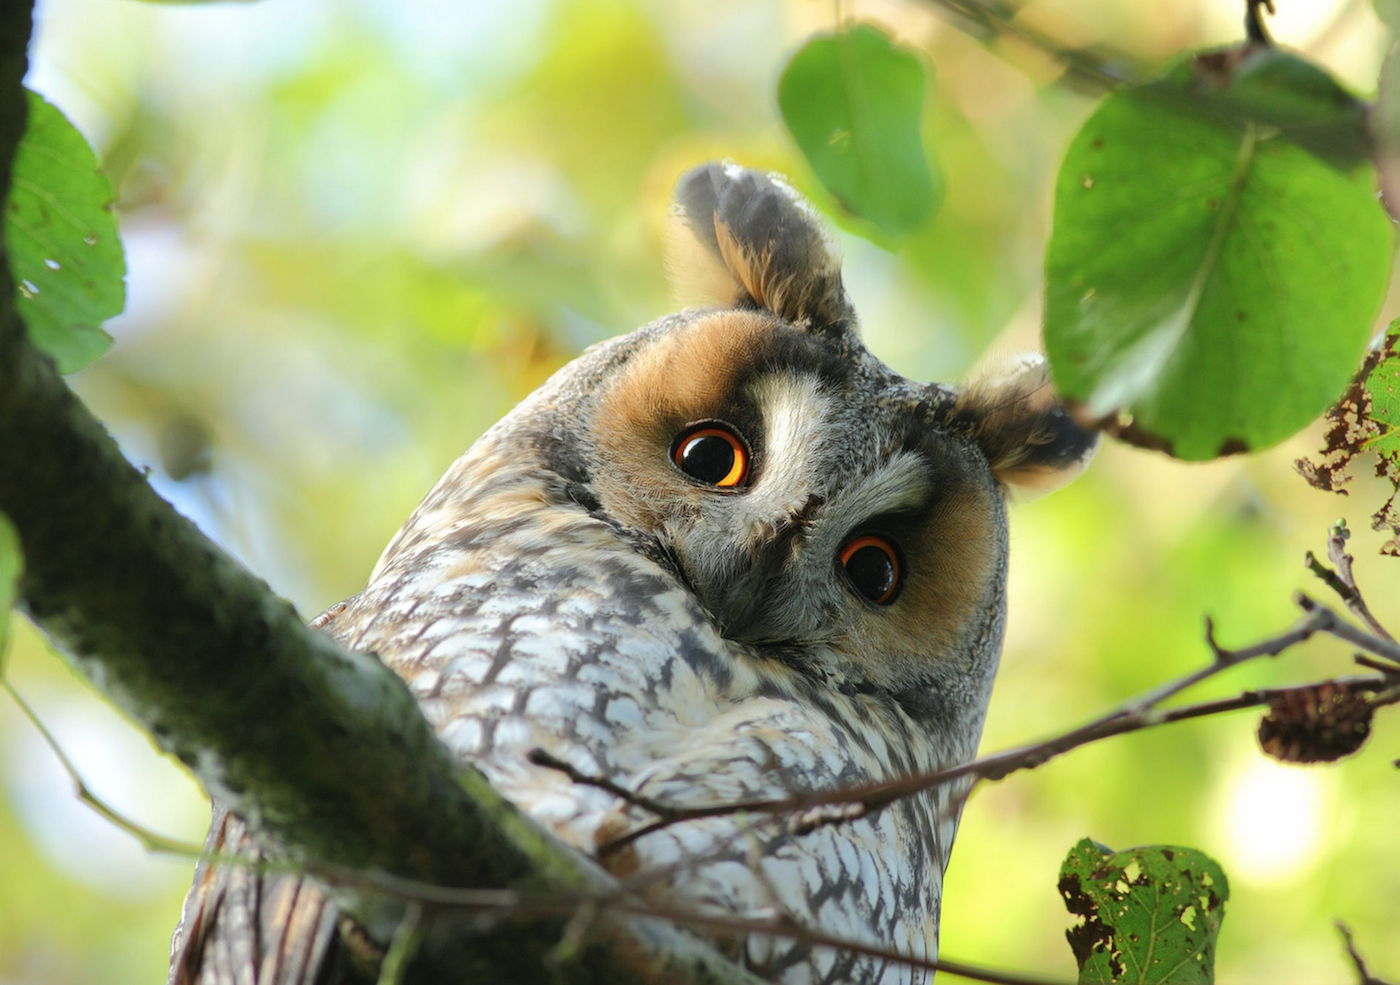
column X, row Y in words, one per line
column 729, row 557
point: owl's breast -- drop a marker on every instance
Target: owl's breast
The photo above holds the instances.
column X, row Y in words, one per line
column 548, row 628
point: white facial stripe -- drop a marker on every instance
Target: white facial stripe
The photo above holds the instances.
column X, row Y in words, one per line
column 796, row 429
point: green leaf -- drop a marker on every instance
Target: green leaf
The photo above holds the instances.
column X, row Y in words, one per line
column 1207, row 273
column 11, row 564
column 854, row 101
column 61, row 235
column 1276, row 88
column 1151, row 914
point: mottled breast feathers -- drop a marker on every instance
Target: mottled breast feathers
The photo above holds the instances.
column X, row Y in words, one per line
column 730, row 556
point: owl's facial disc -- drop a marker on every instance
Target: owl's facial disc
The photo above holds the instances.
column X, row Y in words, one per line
column 800, row 492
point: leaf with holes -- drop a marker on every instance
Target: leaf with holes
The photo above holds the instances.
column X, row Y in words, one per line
column 61, row 235
column 1366, row 418
column 1210, row 271
column 1382, row 389
column 1150, row 915
column 853, row 101
column 11, row 564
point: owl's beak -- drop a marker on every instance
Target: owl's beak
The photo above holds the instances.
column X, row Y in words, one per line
column 743, row 603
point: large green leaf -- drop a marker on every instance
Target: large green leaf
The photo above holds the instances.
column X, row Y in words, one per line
column 1151, row 915
column 854, row 101
column 11, row 563
column 1215, row 268
column 65, row 255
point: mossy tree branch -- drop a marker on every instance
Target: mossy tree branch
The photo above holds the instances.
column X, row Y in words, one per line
column 323, row 751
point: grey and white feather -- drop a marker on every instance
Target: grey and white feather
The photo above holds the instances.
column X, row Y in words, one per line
column 821, row 609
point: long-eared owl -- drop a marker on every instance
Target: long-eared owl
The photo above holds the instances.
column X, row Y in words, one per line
column 728, row 557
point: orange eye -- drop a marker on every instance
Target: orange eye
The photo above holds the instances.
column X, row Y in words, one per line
column 714, row 455
column 872, row 565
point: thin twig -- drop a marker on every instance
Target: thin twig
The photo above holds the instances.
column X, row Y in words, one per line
column 1384, row 666
column 1343, row 582
column 511, row 904
column 1137, row 714
column 1096, row 69
column 542, row 758
column 150, row 841
column 1336, row 626
column 1364, row 976
column 404, row 946
column 861, row 800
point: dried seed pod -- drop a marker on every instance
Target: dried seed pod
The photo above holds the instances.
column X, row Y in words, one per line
column 1318, row 724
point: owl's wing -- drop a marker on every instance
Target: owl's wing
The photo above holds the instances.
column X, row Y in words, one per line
column 247, row 924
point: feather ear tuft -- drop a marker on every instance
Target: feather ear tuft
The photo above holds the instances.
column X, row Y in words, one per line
column 738, row 238
column 1024, row 429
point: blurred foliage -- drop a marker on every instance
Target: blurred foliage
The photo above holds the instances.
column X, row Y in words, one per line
column 359, row 231
column 853, row 101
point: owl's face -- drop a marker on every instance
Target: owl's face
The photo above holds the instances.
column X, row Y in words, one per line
column 806, row 495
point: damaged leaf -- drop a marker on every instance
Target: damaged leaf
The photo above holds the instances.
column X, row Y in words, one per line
column 1150, row 915
column 1366, row 419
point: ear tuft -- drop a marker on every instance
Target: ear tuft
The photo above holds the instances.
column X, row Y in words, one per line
column 1022, row 426
column 738, row 238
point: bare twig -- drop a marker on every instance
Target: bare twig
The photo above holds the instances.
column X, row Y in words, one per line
column 505, row 904
column 1335, row 625
column 816, row 809
column 853, row 802
column 1342, row 581
column 1384, row 666
column 1364, row 976
column 1095, row 70
column 150, row 841
column 542, row 758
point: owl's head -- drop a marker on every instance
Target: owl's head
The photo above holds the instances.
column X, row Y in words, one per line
column 827, row 514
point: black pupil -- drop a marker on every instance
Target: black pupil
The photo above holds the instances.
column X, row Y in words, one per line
column 871, row 571
column 708, row 458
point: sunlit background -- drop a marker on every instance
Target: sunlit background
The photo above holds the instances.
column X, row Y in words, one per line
column 358, row 231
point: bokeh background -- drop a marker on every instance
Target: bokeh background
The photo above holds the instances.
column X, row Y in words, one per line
column 359, row 231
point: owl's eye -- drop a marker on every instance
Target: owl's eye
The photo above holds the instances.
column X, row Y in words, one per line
column 714, row 455
column 872, row 565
